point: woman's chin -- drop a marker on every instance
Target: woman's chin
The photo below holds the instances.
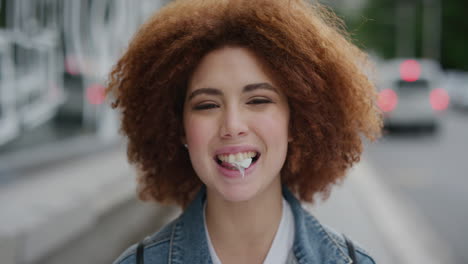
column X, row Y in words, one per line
column 238, row 194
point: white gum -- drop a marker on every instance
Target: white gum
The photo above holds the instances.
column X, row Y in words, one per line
column 240, row 161
column 245, row 163
column 242, row 165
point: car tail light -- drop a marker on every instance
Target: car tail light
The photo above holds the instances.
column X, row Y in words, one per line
column 388, row 100
column 439, row 99
column 410, row 70
column 95, row 94
column 72, row 66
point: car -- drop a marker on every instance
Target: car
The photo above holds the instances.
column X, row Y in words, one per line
column 456, row 83
column 410, row 93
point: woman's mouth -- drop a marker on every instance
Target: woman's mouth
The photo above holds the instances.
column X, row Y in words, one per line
column 232, row 161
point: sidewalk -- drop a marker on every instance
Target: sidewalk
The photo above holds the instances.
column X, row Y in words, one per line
column 55, row 204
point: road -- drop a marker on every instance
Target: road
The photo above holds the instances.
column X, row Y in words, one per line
column 431, row 173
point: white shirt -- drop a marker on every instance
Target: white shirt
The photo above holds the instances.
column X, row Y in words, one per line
column 282, row 243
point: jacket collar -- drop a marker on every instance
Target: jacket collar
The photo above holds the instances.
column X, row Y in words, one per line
column 312, row 244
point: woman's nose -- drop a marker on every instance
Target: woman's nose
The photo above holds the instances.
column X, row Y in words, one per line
column 233, row 124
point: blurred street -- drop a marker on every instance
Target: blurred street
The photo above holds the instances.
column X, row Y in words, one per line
column 68, row 194
column 430, row 172
column 427, row 173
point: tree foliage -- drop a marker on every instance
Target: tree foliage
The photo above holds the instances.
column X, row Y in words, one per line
column 375, row 29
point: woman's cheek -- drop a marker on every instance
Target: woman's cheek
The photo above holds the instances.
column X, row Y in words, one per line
column 197, row 131
column 274, row 123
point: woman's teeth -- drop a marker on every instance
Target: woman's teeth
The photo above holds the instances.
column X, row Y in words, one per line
column 238, row 157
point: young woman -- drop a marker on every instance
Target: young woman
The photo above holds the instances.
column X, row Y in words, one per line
column 237, row 110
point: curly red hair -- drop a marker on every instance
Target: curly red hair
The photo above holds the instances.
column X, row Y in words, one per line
column 332, row 102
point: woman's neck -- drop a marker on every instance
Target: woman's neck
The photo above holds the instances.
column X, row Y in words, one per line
column 244, row 229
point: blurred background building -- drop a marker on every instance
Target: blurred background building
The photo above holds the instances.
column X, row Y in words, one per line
column 66, row 189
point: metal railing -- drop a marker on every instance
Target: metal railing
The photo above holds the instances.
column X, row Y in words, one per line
column 43, row 40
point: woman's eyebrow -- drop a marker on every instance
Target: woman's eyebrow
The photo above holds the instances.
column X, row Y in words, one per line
column 209, row 91
column 256, row 86
column 247, row 88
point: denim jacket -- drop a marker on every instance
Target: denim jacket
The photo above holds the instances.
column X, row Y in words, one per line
column 184, row 240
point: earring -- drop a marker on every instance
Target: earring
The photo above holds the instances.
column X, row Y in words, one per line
column 186, row 146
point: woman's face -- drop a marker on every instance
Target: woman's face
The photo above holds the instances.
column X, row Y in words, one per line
column 233, row 111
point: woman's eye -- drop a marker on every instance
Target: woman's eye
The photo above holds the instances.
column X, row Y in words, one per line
column 260, row 101
column 205, row 106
